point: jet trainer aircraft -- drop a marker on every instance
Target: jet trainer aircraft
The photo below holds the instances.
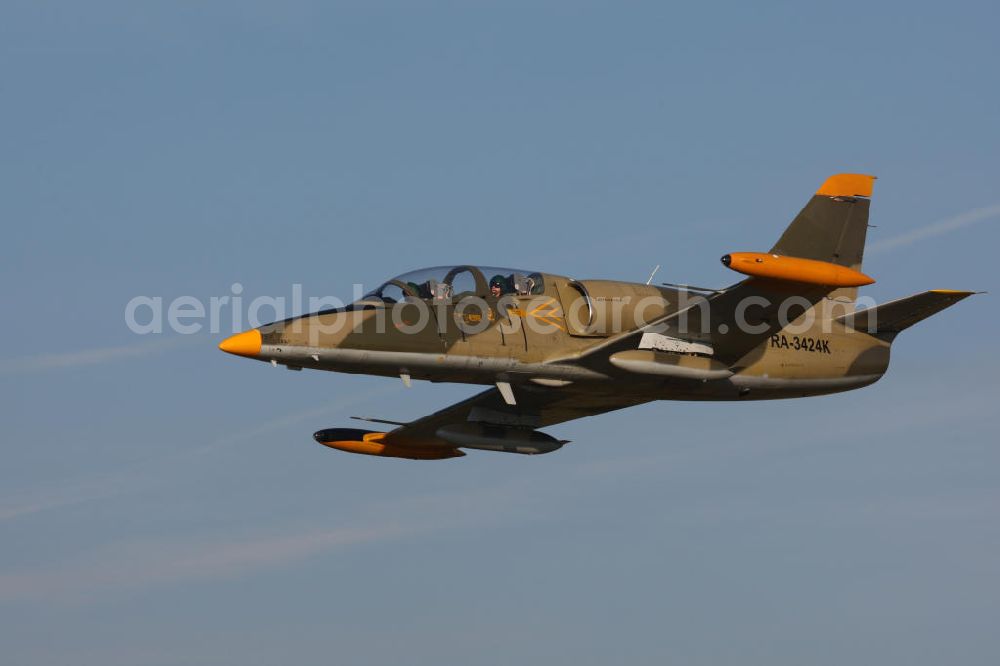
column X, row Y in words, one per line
column 555, row 349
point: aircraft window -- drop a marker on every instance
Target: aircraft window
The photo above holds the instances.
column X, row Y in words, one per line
column 441, row 291
column 516, row 283
column 466, row 280
column 448, row 282
column 390, row 293
column 530, row 284
column 422, row 290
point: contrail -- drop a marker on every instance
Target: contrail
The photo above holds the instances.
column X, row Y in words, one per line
column 142, row 562
column 937, row 229
column 88, row 356
column 66, row 496
column 137, row 476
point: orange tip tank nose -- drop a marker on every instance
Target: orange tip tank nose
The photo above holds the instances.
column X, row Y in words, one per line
column 246, row 343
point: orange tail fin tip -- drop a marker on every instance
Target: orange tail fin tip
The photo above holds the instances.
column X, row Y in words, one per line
column 847, row 185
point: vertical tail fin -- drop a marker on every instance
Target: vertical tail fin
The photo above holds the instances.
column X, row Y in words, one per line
column 832, row 226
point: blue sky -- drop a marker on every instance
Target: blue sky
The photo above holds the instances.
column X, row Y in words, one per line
column 163, row 503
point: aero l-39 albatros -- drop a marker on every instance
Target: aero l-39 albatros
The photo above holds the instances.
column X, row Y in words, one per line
column 555, row 349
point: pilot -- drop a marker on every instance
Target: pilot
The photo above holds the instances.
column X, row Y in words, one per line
column 497, row 283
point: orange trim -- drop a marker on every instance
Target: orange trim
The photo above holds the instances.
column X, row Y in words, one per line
column 794, row 269
column 372, row 445
column 246, row 343
column 847, row 185
column 550, row 316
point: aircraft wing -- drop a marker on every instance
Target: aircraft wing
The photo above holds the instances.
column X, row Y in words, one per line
column 535, row 408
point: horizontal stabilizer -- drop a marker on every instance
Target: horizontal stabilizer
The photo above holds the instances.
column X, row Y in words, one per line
column 892, row 317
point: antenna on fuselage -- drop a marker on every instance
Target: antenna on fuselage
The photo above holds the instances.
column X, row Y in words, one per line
column 650, row 280
column 372, row 419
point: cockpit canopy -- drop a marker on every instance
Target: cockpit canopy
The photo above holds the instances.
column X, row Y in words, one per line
column 454, row 282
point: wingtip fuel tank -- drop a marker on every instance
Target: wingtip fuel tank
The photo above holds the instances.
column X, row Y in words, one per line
column 372, row 443
column 794, row 269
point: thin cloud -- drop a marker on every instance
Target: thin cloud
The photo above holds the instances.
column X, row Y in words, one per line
column 137, row 564
column 152, row 562
column 78, row 494
column 132, row 564
column 138, row 477
column 98, row 356
column 941, row 228
column 142, row 563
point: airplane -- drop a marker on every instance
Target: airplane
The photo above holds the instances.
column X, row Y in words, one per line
column 553, row 349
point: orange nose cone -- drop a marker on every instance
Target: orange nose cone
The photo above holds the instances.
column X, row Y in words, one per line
column 246, row 343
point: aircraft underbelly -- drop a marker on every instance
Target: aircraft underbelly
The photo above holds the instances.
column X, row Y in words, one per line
column 741, row 388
